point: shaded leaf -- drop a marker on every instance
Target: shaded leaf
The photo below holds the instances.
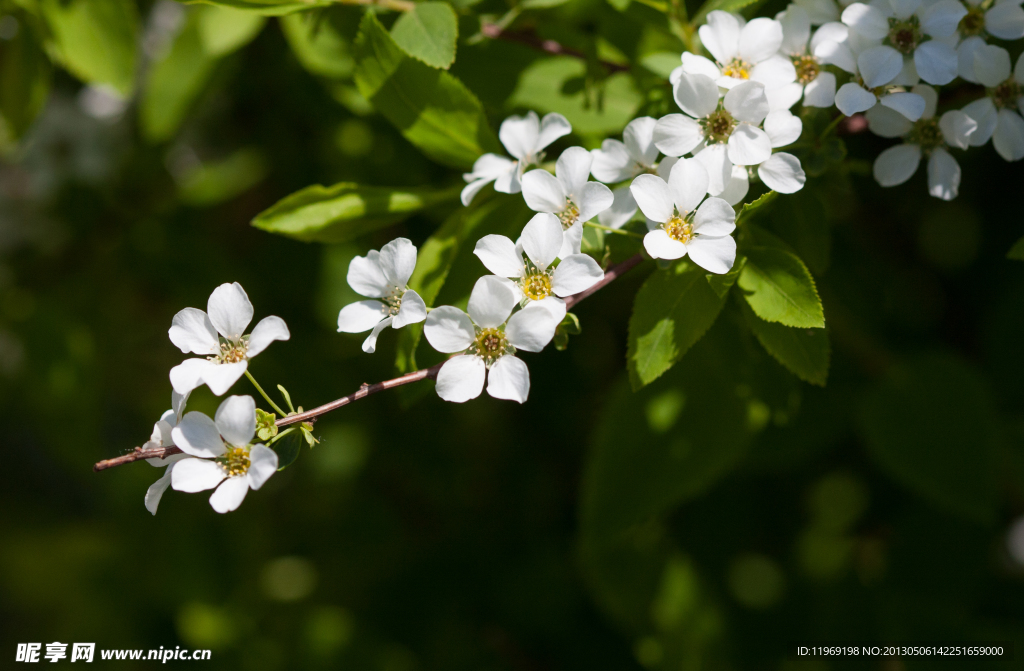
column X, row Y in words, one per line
column 287, row 449
column 95, row 40
column 428, row 33
column 723, row 5
column 805, row 352
column 219, row 181
column 758, row 206
column 1017, row 251
column 25, row 75
column 318, row 45
column 267, row 7
column 779, row 288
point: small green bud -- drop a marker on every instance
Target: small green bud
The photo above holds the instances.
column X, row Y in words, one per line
column 265, row 426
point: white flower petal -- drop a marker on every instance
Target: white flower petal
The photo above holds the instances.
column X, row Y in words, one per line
column 759, row 40
column 696, row 94
column 188, row 375
column 263, row 463
column 653, row 197
column 984, row 113
column 830, row 31
column 366, row 277
column 267, row 331
column 737, row 187
column 721, row 35
column 196, row 475
column 573, row 169
column 897, row 164
column 449, row 329
column 572, row 240
column 688, row 184
column 491, row 301
column 715, row 217
column 361, row 316
column 821, row 92
column 796, row 29
column 192, row 331
column 236, row 420
column 198, row 436
column 930, row 97
column 821, row 11
column 677, row 134
column 230, row 310
column 220, row 377
column 370, row 343
column 575, row 273
column 837, row 54
column 697, row 65
column 908, row 74
column 715, row 160
column 991, row 65
column 957, row 128
column 230, row 494
column 412, row 310
column 397, row 261
column 910, row 106
column 783, row 128
column 509, row 379
column 747, row 102
column 612, row 162
column 870, row 22
column 1005, row 20
column 783, row 97
column 965, row 57
column 532, row 328
column 1008, row 138
column 660, row 246
column 499, row 256
column 520, row 135
column 716, row 255
column 886, row 122
column 461, row 378
column 622, row 210
column 552, row 127
column 749, row 145
column 541, row 240
column 852, row 98
column 508, row 182
column 783, row 173
column 774, row 72
column 879, row 65
column 941, row 18
column 904, row 8
column 178, row 402
column 639, row 140
column 594, row 199
column 943, row 175
column 156, row 491
column 543, row 192
column 936, row 62
column 665, row 166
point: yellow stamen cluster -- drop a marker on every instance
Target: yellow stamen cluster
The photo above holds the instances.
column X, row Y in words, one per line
column 569, row 215
column 807, row 68
column 235, row 461
column 233, row 352
column 536, row 286
column 718, row 126
column 490, row 345
column 1007, row 94
column 737, row 68
column 393, row 303
column 927, row 134
column 904, row 36
column 679, row 229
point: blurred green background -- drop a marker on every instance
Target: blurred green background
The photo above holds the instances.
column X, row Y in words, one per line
column 713, row 520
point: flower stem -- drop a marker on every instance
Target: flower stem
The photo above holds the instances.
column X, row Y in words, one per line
column 617, row 231
column 831, row 127
column 279, row 436
column 264, row 394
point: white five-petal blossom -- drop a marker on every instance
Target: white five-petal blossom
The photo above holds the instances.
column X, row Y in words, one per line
column 161, row 437
column 384, row 277
column 228, row 313
column 219, row 454
column 568, row 195
column 728, row 133
column 929, row 137
column 487, row 339
column 810, row 54
column 618, row 161
column 998, row 114
column 525, row 138
column 529, row 263
column 680, row 223
column 1002, row 19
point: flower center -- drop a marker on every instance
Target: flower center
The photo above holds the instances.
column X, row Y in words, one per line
column 973, row 23
column 927, row 134
column 904, row 36
column 1007, row 94
column 233, row 352
column 737, row 68
column 393, row 302
column 536, row 286
column 807, row 68
column 679, row 229
column 569, row 215
column 718, row 126
column 235, row 461
column 490, row 345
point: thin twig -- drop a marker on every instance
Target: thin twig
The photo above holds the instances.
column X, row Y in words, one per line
column 140, row 453
column 530, row 39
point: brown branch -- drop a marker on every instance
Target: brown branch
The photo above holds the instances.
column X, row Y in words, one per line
column 140, row 453
column 532, row 40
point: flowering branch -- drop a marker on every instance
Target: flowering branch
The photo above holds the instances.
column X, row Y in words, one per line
column 140, row 453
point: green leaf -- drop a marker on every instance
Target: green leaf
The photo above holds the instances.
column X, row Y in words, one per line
column 287, row 397
column 25, row 75
column 802, row 219
column 805, row 352
column 570, row 325
column 724, row 5
column 345, row 211
column 224, row 30
column 265, row 426
column 428, row 33
column 779, row 288
column 758, row 206
column 220, row 181
column 661, row 63
column 318, row 45
column 432, row 109
column 287, row 449
column 1017, row 251
column 95, row 40
column 721, row 284
column 931, row 426
column 672, row 310
column 266, row 7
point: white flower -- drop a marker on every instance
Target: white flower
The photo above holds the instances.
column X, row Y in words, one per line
column 728, row 133
column 680, row 224
column 161, row 437
column 525, row 138
column 1003, row 19
column 219, row 454
column 875, row 67
column 568, row 195
column 926, row 137
column 382, row 275
column 998, row 114
column 907, row 39
column 617, row 161
column 487, row 339
column 809, row 54
column 228, row 312
column 534, row 278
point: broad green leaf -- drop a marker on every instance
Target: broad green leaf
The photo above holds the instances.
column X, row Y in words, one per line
column 541, row 4
column 671, row 312
column 219, row 181
column 931, row 426
column 346, row 210
column 318, row 45
column 95, row 40
column 267, row 7
column 724, row 5
column 721, row 284
column 779, row 288
column 176, row 81
column 661, row 62
column 758, row 206
column 25, row 74
column 605, row 109
column 805, row 352
column 1017, row 251
column 428, row 33
column 801, row 219
column 288, row 449
column 431, row 108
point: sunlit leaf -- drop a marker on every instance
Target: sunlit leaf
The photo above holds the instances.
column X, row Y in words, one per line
column 95, row 39
column 428, row 33
column 805, row 352
column 779, row 288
